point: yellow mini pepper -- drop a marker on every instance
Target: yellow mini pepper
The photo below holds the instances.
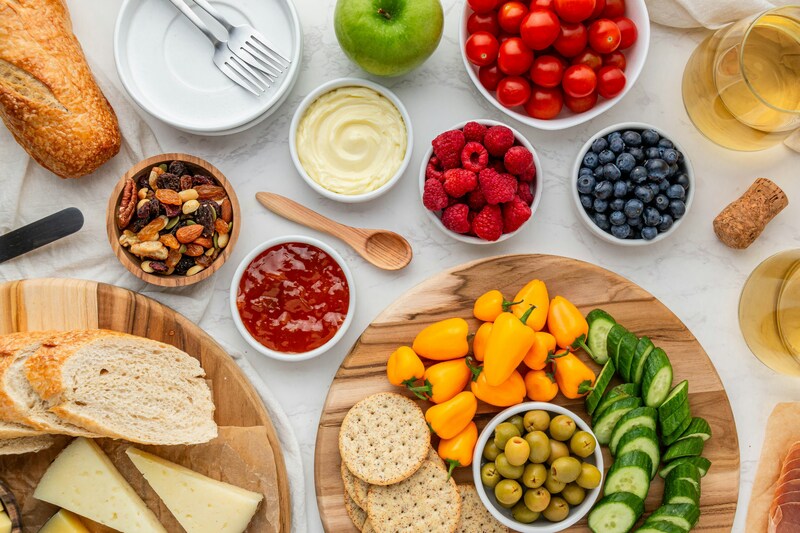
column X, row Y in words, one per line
column 444, row 380
column 540, row 386
column 510, row 392
column 507, row 346
column 449, row 418
column 443, row 340
column 533, row 294
column 404, row 367
column 489, row 305
column 567, row 325
column 480, row 339
column 574, row 378
column 544, row 344
column 459, row 450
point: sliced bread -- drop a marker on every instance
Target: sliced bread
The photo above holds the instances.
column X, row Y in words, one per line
column 25, row 445
column 124, row 387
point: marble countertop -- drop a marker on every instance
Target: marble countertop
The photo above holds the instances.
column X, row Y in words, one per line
column 692, row 272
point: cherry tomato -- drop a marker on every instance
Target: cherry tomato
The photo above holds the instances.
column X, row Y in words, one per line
column 572, row 39
column 481, row 48
column 539, row 29
column 610, row 81
column 490, row 76
column 544, row 103
column 541, row 4
column 514, row 58
column 510, row 16
column 590, row 58
column 580, row 105
column 483, row 22
column 615, row 59
column 604, row 36
column 579, row 81
column 613, row 9
column 513, row 91
column 599, row 6
column 505, row 35
column 482, row 6
column 628, row 30
column 574, row 10
column 547, row 71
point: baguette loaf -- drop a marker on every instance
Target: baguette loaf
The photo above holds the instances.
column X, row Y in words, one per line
column 25, row 445
column 48, row 97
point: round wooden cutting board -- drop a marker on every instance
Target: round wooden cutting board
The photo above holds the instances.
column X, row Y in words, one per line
column 452, row 293
column 42, row 304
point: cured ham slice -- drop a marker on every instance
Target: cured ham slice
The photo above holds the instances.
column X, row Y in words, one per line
column 786, row 519
column 784, row 512
column 784, row 498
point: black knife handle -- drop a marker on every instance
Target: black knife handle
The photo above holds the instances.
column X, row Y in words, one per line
column 43, row 231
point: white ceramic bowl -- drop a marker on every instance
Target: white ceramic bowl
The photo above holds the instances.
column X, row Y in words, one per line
column 337, row 84
column 636, row 10
column 589, row 223
column 502, row 514
column 537, row 185
column 237, row 319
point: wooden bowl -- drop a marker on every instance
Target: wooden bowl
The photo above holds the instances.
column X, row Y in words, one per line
column 132, row 262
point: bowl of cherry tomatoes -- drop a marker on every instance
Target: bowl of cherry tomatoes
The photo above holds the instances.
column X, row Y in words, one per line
column 554, row 64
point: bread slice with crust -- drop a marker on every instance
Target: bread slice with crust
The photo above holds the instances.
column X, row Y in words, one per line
column 25, row 445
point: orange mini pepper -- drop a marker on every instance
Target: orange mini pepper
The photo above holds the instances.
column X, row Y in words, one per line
column 510, row 392
column 443, row 340
column 540, row 386
column 543, row 345
column 449, row 418
column 574, row 378
column 480, row 339
column 489, row 305
column 459, row 450
column 567, row 325
column 404, row 367
column 533, row 294
column 509, row 342
column 444, row 380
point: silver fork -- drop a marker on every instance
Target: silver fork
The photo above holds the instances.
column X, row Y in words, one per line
column 229, row 63
column 250, row 45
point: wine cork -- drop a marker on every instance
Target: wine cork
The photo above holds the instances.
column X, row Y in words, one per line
column 742, row 221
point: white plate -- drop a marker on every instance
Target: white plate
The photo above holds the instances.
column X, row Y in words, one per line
column 165, row 63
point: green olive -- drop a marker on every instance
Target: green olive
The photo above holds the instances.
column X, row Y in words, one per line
column 508, row 492
column 573, row 493
column 537, row 500
column 490, row 451
column 557, row 511
column 489, row 475
column 590, row 476
column 534, row 475
column 503, row 432
column 506, row 469
column 557, row 449
column 522, row 514
column 565, row 469
column 536, row 421
column 582, row 444
column 517, row 451
column 540, row 446
column 562, row 427
column 552, row 485
column 517, row 421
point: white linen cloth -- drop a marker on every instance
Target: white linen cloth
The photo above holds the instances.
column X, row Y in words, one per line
column 28, row 192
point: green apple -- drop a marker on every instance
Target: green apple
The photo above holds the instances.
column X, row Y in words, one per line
column 388, row 37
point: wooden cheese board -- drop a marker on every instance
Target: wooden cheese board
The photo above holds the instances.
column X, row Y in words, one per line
column 453, row 292
column 42, row 304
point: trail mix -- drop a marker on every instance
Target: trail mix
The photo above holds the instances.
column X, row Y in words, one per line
column 176, row 222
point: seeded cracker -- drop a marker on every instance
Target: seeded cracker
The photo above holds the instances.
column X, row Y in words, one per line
column 475, row 518
column 356, row 513
column 356, row 488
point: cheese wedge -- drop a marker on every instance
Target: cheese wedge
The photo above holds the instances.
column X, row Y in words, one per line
column 5, row 523
column 64, row 522
column 199, row 503
column 83, row 480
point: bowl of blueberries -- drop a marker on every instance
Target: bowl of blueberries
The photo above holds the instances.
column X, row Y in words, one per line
column 633, row 184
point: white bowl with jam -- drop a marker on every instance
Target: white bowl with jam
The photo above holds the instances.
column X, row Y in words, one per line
column 292, row 298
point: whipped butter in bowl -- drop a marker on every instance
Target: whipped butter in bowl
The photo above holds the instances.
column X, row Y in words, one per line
column 351, row 140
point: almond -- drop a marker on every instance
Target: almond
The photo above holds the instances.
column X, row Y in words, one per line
column 227, row 210
column 188, row 234
column 194, row 250
column 205, row 242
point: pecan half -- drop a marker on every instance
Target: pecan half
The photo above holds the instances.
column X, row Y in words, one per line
column 127, row 205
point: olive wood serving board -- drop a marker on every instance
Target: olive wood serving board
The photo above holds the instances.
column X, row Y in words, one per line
column 453, row 292
column 42, row 304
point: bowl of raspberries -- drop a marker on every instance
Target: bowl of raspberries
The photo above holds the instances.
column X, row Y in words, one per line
column 632, row 184
column 479, row 181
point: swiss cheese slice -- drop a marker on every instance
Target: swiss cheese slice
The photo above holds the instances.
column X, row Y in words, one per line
column 5, row 522
column 83, row 480
column 64, row 522
column 199, row 503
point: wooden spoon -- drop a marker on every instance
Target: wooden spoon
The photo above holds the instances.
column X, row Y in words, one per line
column 384, row 249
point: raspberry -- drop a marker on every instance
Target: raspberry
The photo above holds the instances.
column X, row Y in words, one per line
column 476, row 200
column 517, row 160
column 498, row 165
column 474, row 132
column 433, row 195
column 498, row 140
column 474, row 157
column 515, row 213
column 497, row 188
column 458, row 182
column 488, row 224
column 434, row 169
column 447, row 148
column 524, row 192
column 456, row 218
column 529, row 174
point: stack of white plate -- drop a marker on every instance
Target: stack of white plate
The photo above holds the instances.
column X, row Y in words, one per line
column 165, row 63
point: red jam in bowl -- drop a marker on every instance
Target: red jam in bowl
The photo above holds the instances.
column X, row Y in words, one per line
column 293, row 297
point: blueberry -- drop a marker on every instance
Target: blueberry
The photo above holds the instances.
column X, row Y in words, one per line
column 620, row 189
column 637, row 153
column 591, row 160
column 650, row 137
column 614, row 135
column 657, row 169
column 639, row 174
column 632, row 138
column 663, row 185
column 635, row 222
column 649, row 233
column 666, row 223
column 606, row 156
column 676, row 192
column 600, row 206
column 665, row 143
column 598, row 172
column 611, row 172
column 683, row 181
column 662, row 202
column 644, row 193
column 586, row 184
column 677, row 208
column 617, row 204
column 671, row 156
column 626, row 162
column 603, row 190
column 585, row 171
column 601, row 221
column 617, row 218
column 651, row 216
column 655, row 188
column 621, row 232
column 633, row 207
column 617, row 145
column 652, row 153
column 587, row 201
column 673, row 170
column 599, row 145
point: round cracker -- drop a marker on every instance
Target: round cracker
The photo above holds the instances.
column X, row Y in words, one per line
column 368, row 527
column 384, row 438
column 475, row 517
column 355, row 512
column 356, row 488
column 427, row 501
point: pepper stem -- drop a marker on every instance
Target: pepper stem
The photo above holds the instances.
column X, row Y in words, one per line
column 476, row 370
column 452, row 464
column 423, row 392
column 507, row 305
column 585, row 386
column 580, row 342
column 524, row 317
column 551, row 356
column 385, row 14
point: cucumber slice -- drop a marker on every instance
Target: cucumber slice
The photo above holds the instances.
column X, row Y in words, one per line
column 686, row 471
column 701, row 463
column 640, row 355
column 639, row 417
column 671, row 438
column 620, row 392
column 689, row 447
column 660, row 527
column 615, row 335
column 627, row 347
column 616, row 513
column 683, row 515
column 670, row 424
column 600, row 323
column 605, row 424
column 697, row 428
column 657, row 378
column 681, row 491
column 629, row 473
column 643, row 440
column 600, row 385
column 678, row 395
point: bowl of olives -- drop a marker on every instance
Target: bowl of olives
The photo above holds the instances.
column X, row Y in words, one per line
column 538, row 467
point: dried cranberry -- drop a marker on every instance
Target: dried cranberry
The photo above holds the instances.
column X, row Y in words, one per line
column 177, row 167
column 169, row 181
column 202, row 180
column 184, row 264
column 158, row 266
column 186, row 182
column 171, row 210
